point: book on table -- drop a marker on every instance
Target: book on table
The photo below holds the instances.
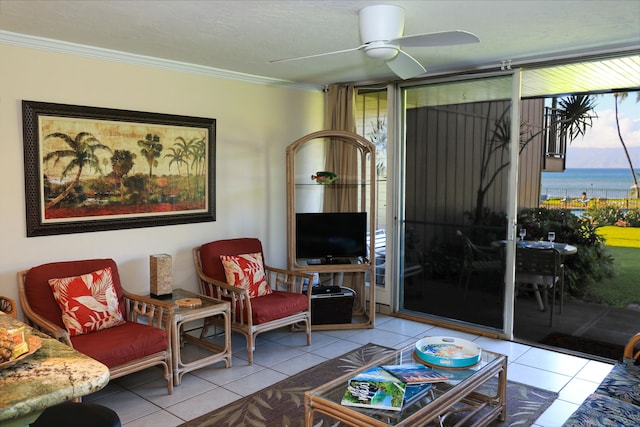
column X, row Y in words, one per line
column 415, row 392
column 415, row 373
column 375, row 388
column 389, row 387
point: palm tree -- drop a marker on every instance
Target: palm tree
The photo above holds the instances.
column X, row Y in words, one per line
column 82, row 153
column 575, row 115
column 150, row 148
column 122, row 162
column 199, row 156
column 496, row 144
column 620, row 96
column 177, row 157
column 187, row 150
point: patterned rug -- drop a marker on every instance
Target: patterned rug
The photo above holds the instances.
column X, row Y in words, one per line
column 282, row 404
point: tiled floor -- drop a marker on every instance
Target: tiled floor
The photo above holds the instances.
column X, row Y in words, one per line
column 141, row 399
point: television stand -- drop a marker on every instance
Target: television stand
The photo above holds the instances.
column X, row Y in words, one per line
column 357, row 181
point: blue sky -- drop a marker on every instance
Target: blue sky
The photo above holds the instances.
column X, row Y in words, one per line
column 600, row 147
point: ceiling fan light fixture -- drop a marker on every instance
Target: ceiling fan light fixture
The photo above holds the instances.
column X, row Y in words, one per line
column 381, row 50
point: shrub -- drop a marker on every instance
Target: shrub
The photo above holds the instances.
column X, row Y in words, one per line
column 603, row 214
column 633, row 217
column 592, row 262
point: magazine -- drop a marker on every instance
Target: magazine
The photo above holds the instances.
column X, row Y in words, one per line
column 415, row 392
column 456, row 376
column 415, row 374
column 375, row 388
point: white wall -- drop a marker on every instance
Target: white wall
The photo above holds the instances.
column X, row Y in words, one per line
column 255, row 123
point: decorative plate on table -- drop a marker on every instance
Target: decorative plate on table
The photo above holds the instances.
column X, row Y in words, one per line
column 189, row 302
column 34, row 344
column 447, row 352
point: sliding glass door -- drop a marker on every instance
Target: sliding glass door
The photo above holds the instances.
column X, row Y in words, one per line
column 457, row 200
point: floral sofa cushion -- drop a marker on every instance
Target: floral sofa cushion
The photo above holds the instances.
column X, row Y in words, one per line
column 601, row 410
column 616, row 401
column 623, row 382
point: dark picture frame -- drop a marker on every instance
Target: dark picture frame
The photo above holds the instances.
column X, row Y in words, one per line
column 96, row 169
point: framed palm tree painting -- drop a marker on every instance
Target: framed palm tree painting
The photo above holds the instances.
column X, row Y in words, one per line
column 94, row 169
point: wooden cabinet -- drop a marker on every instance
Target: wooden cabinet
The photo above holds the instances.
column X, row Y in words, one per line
column 352, row 159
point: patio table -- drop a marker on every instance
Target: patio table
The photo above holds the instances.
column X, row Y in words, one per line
column 563, row 248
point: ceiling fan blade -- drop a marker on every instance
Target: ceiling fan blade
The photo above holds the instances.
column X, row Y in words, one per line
column 444, row 38
column 316, row 55
column 405, row 66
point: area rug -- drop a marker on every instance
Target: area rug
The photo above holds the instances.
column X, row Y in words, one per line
column 584, row 345
column 282, row 404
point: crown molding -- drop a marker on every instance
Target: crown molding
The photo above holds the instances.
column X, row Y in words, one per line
column 59, row 46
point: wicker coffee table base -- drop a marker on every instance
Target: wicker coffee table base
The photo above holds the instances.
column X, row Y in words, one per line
column 447, row 400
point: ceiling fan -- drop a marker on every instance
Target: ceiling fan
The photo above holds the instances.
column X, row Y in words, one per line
column 381, row 29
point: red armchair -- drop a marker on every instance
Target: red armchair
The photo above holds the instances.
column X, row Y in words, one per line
column 288, row 305
column 125, row 348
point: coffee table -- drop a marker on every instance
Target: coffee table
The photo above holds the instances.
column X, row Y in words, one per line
column 181, row 315
column 470, row 391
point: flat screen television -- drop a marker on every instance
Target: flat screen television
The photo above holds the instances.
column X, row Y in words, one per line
column 331, row 236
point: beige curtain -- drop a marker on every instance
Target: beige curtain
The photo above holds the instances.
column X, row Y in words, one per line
column 341, row 156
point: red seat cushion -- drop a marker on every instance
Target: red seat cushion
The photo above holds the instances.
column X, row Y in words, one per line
column 277, row 305
column 107, row 347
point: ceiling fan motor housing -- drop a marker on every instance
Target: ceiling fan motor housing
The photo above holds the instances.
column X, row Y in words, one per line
column 378, row 25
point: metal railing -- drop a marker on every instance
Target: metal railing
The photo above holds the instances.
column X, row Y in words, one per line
column 623, row 199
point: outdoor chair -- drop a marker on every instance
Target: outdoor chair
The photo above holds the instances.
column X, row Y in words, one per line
column 479, row 260
column 122, row 330
column 538, row 268
column 262, row 298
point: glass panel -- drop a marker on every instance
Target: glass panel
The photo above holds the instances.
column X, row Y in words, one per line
column 371, row 122
column 456, row 165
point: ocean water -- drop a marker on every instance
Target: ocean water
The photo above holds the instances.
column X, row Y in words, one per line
column 597, row 183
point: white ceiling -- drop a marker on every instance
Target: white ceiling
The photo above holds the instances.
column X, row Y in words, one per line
column 242, row 36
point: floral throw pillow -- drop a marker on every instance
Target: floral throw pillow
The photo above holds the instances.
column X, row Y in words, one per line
column 247, row 272
column 88, row 302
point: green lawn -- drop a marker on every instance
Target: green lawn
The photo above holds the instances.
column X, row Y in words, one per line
column 628, row 237
column 624, row 246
